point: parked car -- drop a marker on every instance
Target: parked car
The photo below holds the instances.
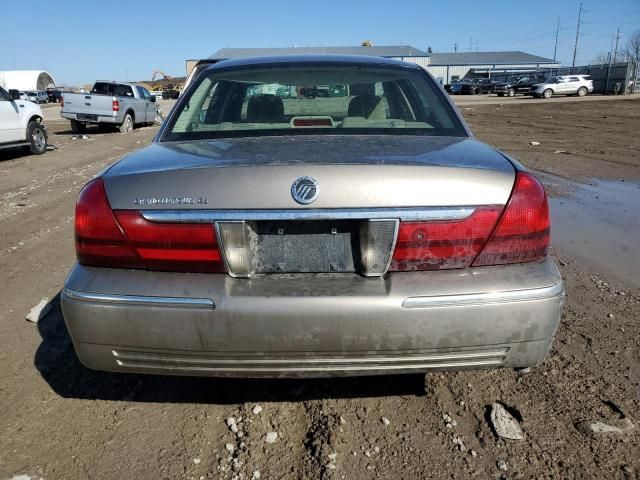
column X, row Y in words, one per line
column 579, row 85
column 110, row 103
column 473, row 86
column 520, row 85
column 37, row 96
column 258, row 236
column 21, row 123
column 54, row 96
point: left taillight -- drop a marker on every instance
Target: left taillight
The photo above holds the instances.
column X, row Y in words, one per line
column 180, row 247
column 99, row 239
column 125, row 239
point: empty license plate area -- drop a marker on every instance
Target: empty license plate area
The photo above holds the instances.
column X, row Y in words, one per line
column 307, row 246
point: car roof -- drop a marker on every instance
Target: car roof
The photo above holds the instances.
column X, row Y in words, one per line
column 315, row 59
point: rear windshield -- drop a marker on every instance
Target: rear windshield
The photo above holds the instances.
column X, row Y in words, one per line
column 313, row 99
column 104, row 88
column 113, row 89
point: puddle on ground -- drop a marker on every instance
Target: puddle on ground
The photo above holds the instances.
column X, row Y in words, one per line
column 599, row 224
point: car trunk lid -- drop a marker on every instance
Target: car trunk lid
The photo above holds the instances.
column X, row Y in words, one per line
column 438, row 197
column 350, row 171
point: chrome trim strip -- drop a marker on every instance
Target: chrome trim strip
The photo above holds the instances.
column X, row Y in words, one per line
column 405, row 214
column 484, row 298
column 135, row 300
column 280, row 369
column 129, row 355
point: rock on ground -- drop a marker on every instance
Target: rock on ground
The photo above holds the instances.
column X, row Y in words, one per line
column 504, row 424
column 38, row 312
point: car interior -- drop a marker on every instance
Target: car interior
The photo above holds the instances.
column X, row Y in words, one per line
column 272, row 100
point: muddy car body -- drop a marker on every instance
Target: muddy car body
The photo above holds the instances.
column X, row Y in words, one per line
column 262, row 235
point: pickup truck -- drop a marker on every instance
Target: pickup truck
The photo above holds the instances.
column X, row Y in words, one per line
column 520, row 85
column 21, row 123
column 110, row 103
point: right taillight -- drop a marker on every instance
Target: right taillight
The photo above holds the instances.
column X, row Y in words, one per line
column 523, row 231
column 125, row 239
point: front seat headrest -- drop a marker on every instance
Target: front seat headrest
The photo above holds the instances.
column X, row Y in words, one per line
column 265, row 108
column 367, row 106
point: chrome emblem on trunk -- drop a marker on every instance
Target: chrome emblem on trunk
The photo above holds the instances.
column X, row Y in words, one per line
column 305, row 190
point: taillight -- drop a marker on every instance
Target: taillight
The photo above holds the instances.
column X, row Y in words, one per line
column 125, row 239
column 443, row 244
column 99, row 239
column 61, row 101
column 523, row 232
column 115, row 105
column 172, row 246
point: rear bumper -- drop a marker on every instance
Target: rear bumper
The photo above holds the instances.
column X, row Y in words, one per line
column 90, row 118
column 312, row 325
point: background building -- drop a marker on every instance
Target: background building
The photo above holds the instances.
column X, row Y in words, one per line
column 445, row 67
column 449, row 67
column 24, row 80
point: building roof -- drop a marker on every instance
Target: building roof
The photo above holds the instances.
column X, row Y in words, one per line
column 486, row 58
column 26, row 80
column 375, row 51
column 312, row 59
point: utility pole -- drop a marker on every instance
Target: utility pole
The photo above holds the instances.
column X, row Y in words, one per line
column 455, row 48
column 615, row 52
column 606, row 83
column 575, row 47
column 555, row 49
column 471, row 44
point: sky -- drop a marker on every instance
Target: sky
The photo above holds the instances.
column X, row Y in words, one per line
column 79, row 42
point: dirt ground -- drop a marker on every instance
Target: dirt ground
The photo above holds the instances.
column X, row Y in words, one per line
column 578, row 140
column 61, row 420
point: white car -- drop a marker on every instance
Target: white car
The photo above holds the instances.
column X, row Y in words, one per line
column 579, row 85
column 21, row 124
column 37, row 96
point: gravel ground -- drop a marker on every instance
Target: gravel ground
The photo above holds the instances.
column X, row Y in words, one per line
column 61, row 420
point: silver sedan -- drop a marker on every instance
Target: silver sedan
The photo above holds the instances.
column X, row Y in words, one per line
column 312, row 216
